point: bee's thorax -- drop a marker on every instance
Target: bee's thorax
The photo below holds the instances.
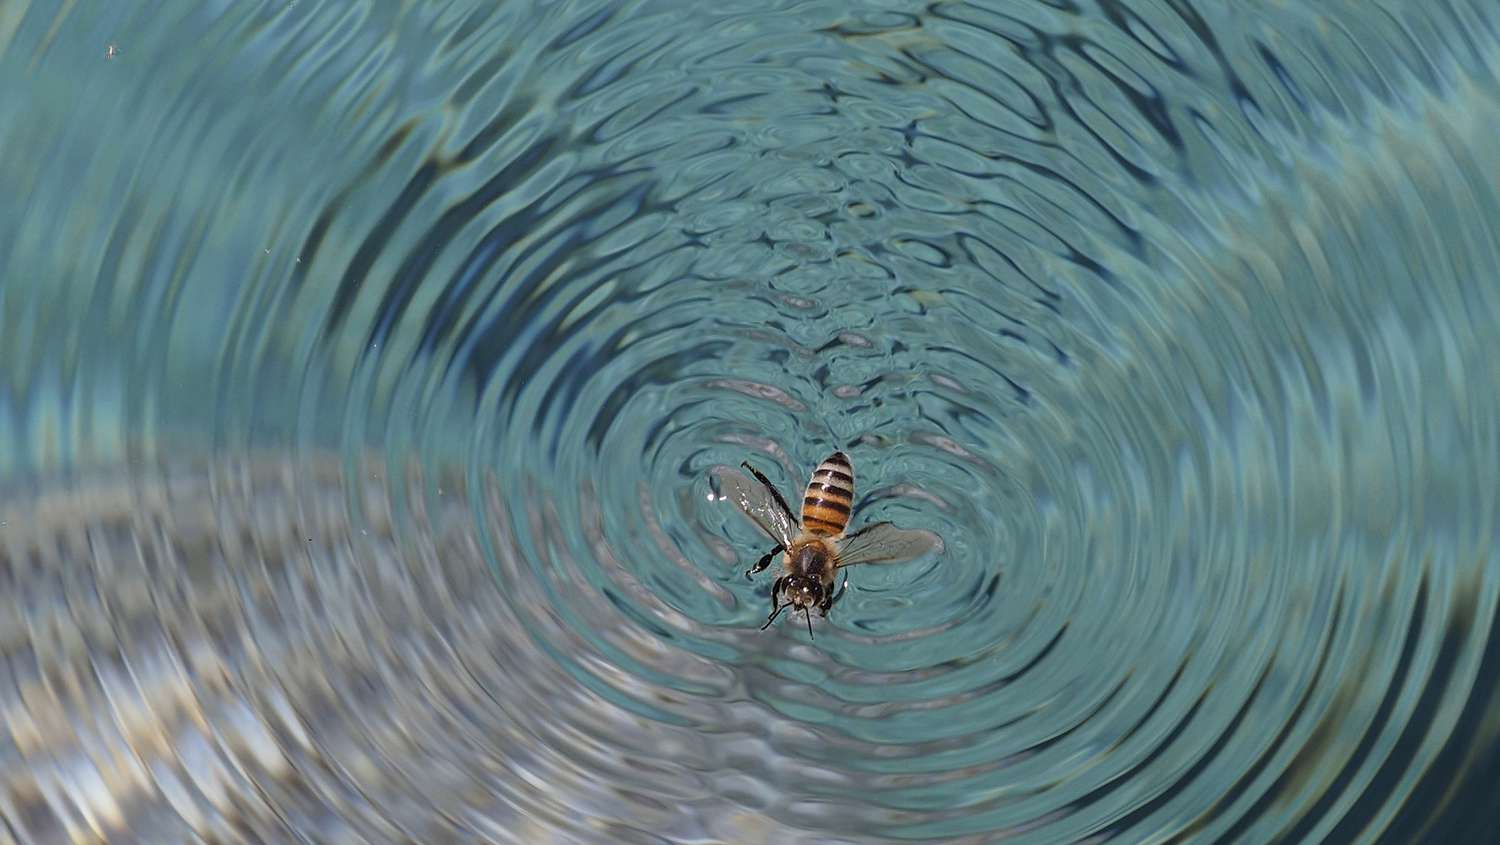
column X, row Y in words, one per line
column 813, row 557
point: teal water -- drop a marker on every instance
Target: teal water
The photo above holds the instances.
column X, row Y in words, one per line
column 364, row 368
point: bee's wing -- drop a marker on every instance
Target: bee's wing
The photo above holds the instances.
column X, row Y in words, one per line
column 885, row 543
column 758, row 503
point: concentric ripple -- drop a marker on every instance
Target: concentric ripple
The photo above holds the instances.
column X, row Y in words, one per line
column 364, row 368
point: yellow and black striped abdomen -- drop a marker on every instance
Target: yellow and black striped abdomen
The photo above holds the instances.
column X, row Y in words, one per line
column 829, row 497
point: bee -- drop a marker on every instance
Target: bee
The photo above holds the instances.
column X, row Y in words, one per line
column 814, row 548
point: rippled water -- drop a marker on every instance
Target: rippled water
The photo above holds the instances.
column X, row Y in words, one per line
column 364, row 365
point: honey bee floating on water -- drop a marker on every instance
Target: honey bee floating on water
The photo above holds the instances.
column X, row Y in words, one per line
column 815, row 548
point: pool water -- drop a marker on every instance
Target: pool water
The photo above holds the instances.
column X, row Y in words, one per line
column 366, row 369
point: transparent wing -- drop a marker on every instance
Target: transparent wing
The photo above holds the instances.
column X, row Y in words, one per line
column 758, row 503
column 885, row 543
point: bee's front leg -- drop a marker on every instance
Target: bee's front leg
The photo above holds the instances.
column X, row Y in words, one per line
column 776, row 607
column 833, row 597
column 760, row 565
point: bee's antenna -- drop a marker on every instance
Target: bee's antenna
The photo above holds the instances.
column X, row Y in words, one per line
column 774, row 614
column 807, row 612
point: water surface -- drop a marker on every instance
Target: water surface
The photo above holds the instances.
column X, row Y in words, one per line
column 363, row 369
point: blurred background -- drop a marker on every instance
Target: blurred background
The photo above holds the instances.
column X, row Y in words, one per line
column 364, row 365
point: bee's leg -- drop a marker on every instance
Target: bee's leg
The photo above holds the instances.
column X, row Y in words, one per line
column 776, row 607
column 775, row 494
column 833, row 597
column 760, row 565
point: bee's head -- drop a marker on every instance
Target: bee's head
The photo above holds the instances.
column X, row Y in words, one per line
column 803, row 591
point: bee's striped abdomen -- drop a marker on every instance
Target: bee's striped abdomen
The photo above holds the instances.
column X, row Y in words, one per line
column 829, row 497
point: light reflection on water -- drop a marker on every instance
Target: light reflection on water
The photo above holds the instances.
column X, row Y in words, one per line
column 362, row 369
